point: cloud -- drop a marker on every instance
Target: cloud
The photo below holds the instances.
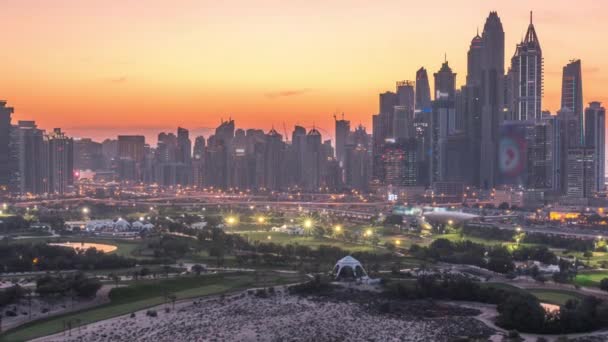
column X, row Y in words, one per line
column 121, row 79
column 287, row 93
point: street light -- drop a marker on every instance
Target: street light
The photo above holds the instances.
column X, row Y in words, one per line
column 338, row 228
column 308, row 223
column 397, row 242
column 85, row 210
column 231, row 220
column 261, row 219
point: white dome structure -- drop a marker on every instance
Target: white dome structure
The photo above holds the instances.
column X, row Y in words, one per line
column 349, row 268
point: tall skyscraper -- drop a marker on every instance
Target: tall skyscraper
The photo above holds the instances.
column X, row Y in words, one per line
column 492, row 93
column 405, row 94
column 60, row 162
column 342, row 131
column 31, row 174
column 5, row 132
column 445, row 82
column 313, row 158
column 595, row 137
column 274, row 152
column 572, row 93
column 423, row 91
column 399, row 161
column 525, row 78
column 184, row 146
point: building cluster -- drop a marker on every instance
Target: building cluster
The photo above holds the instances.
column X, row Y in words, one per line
column 489, row 134
column 492, row 132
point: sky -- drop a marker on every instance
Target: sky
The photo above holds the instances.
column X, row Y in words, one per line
column 98, row 68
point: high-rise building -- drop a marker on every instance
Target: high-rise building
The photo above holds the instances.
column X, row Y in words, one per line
column 132, row 147
column 31, row 174
column 342, row 131
column 87, row 154
column 274, row 152
column 403, row 122
column 525, row 78
column 423, row 90
column 580, row 172
column 313, row 159
column 5, row 132
column 492, row 93
column 399, row 161
column 572, row 94
column 405, row 94
column 442, row 126
column 184, row 146
column 595, row 137
column 60, row 162
column 445, row 82
column 357, row 166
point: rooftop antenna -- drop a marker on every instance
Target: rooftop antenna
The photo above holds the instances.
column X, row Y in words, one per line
column 530, row 17
column 445, row 57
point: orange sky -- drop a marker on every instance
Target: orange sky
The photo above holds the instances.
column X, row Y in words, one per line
column 102, row 67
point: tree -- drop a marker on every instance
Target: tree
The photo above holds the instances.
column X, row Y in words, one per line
column 500, row 260
column 522, row 312
column 604, row 284
column 198, row 269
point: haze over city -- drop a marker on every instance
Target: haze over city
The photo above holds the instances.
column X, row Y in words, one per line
column 303, row 171
column 100, row 68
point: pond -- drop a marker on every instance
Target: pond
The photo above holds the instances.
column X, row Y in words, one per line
column 86, row 245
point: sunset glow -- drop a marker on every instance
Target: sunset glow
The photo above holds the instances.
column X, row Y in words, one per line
column 97, row 68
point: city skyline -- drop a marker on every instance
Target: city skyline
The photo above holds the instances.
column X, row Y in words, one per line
column 120, row 75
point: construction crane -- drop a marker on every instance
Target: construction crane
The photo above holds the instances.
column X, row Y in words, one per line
column 285, row 131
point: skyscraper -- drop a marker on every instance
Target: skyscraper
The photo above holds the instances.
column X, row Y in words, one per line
column 5, row 132
column 313, row 157
column 492, row 93
column 572, row 94
column 32, row 159
column 445, row 82
column 471, row 109
column 184, row 146
column 423, row 91
column 342, row 131
column 595, row 137
column 60, row 162
column 525, row 78
column 405, row 94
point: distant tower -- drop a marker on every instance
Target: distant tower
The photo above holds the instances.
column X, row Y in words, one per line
column 526, row 78
column 492, row 94
column 342, row 130
column 423, row 91
column 5, row 132
column 405, row 94
column 445, row 82
column 595, row 137
column 572, row 93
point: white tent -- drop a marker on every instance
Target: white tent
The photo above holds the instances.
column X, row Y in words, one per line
column 349, row 267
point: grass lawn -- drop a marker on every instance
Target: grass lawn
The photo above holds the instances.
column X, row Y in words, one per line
column 557, row 297
column 310, row 241
column 590, row 278
column 150, row 293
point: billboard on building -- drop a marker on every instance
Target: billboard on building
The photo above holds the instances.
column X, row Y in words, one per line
column 513, row 153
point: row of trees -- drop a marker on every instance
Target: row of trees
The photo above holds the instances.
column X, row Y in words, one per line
column 556, row 241
column 26, row 257
column 77, row 284
column 517, row 309
column 496, row 258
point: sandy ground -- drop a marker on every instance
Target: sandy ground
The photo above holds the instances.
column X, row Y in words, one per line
column 281, row 317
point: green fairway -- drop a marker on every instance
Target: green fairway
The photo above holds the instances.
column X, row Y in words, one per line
column 590, row 278
column 557, row 297
column 150, row 293
column 310, row 241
